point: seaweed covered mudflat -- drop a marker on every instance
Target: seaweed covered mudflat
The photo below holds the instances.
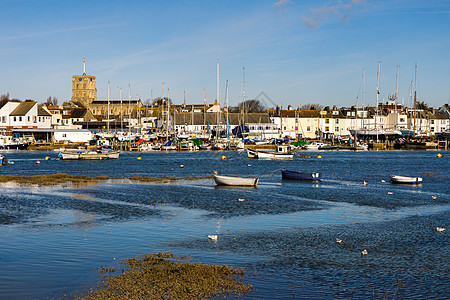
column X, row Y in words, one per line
column 165, row 276
column 54, row 179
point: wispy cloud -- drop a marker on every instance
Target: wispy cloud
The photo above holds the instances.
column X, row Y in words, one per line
column 51, row 32
column 280, row 5
column 333, row 9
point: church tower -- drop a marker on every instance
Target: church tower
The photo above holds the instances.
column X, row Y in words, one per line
column 83, row 88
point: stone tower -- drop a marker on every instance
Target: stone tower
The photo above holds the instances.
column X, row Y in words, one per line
column 83, row 88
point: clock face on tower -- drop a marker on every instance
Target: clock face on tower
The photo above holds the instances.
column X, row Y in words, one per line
column 79, row 79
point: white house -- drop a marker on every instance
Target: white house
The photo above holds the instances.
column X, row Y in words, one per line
column 72, row 135
column 28, row 114
column 5, row 111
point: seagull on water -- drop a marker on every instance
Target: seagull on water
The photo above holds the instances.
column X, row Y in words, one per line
column 382, row 180
column 440, row 229
column 364, row 252
column 213, row 237
column 434, row 197
column 365, row 182
column 338, row 241
column 390, row 193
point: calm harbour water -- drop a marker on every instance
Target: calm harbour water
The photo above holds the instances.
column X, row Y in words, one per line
column 53, row 239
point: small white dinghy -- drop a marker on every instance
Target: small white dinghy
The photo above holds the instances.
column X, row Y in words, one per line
column 406, row 179
column 235, row 181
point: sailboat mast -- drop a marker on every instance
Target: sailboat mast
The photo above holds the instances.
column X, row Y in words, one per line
column 243, row 97
column 204, row 112
column 217, row 100
column 411, row 99
column 228, row 124
column 378, row 92
column 107, row 121
column 363, row 98
column 121, row 111
column 168, row 112
column 415, row 99
column 129, row 110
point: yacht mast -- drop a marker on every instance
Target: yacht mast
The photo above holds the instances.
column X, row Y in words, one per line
column 121, row 114
column 228, row 125
column 243, row 98
column 107, row 121
column 217, row 101
column 163, row 100
column 363, row 97
column 129, row 111
column 415, row 99
column 378, row 92
column 168, row 113
column 204, row 112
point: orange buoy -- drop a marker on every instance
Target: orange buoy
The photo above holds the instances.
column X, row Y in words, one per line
column 38, row 162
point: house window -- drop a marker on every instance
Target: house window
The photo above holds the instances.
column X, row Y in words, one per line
column 64, row 135
column 327, row 121
column 327, row 128
column 34, row 119
column 336, row 129
column 432, row 128
column 20, row 119
column 337, row 121
column 15, row 119
column 3, row 119
column 432, row 121
column 308, row 128
column 402, row 120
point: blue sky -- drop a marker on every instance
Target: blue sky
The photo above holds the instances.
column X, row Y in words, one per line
column 294, row 51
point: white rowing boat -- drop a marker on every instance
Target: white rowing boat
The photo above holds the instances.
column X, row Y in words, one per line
column 88, row 155
column 235, row 181
column 406, row 179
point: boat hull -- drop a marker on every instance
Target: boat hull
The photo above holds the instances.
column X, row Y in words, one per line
column 252, row 153
column 235, row 181
column 301, row 176
column 15, row 146
column 274, row 155
column 405, row 180
column 68, row 155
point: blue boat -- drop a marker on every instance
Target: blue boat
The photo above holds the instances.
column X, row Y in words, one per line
column 294, row 175
column 3, row 160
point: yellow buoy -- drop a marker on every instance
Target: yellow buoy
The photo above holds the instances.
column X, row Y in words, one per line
column 47, row 158
column 439, row 155
column 224, row 157
column 319, row 156
column 181, row 166
column 139, row 158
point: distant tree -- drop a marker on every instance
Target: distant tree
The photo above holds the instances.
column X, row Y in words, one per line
column 311, row 106
column 251, row 106
column 51, row 101
column 4, row 97
column 159, row 101
column 421, row 105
